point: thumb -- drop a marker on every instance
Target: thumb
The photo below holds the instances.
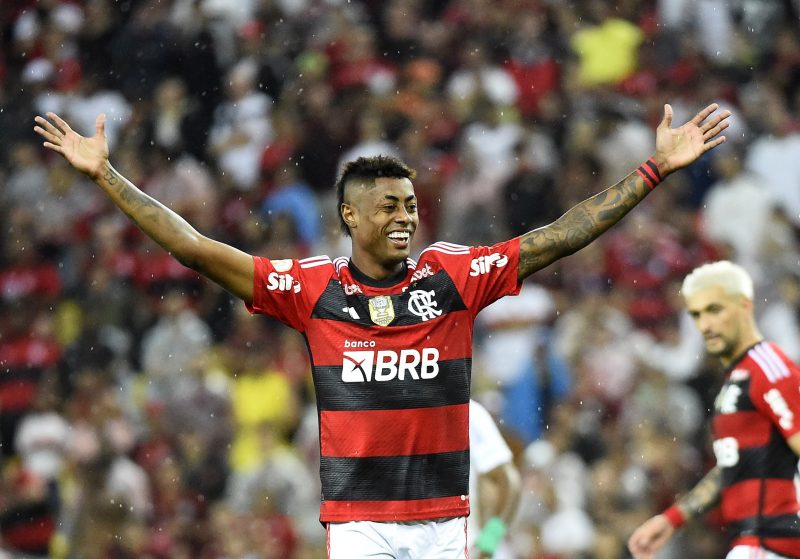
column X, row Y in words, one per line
column 100, row 125
column 667, row 120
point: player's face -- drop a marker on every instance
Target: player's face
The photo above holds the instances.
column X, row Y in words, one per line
column 722, row 319
column 385, row 218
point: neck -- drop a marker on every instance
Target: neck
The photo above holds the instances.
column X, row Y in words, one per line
column 374, row 269
column 748, row 341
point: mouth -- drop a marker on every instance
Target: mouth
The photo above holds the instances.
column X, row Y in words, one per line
column 400, row 239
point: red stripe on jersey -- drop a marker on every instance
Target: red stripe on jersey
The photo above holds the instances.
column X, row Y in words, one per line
column 393, row 432
column 750, row 429
column 741, row 500
column 394, row 511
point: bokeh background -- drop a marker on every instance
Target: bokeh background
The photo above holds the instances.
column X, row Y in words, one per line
column 145, row 414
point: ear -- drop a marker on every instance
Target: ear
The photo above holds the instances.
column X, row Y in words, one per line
column 349, row 216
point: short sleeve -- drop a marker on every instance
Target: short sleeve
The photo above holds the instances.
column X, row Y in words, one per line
column 488, row 449
column 287, row 289
column 481, row 274
column 774, row 389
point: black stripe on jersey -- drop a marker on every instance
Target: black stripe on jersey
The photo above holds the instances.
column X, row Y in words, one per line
column 333, row 300
column 395, row 478
column 775, row 461
column 449, row 387
column 783, row 526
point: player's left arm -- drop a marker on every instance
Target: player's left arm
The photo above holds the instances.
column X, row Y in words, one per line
column 675, row 148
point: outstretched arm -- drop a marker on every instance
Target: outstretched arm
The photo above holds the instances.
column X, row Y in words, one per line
column 584, row 222
column 226, row 265
column 651, row 536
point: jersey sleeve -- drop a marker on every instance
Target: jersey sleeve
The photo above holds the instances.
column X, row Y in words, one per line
column 775, row 389
column 288, row 289
column 482, row 274
column 487, row 447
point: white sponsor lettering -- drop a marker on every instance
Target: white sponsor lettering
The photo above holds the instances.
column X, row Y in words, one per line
column 386, row 365
column 780, row 408
column 421, row 273
column 282, row 282
column 484, row 264
column 423, row 304
column 351, row 289
column 359, row 343
column 726, row 450
column 728, row 398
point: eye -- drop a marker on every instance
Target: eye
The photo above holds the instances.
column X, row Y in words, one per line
column 412, row 208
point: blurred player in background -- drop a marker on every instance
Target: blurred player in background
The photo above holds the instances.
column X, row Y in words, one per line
column 756, row 428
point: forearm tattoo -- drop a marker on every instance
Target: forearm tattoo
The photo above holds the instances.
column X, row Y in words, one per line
column 578, row 227
column 702, row 497
column 156, row 220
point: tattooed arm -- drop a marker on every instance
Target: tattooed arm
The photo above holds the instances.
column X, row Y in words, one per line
column 675, row 149
column 226, row 265
column 702, row 497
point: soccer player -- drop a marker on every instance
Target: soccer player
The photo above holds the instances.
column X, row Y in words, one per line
column 756, row 428
column 390, row 338
column 494, row 484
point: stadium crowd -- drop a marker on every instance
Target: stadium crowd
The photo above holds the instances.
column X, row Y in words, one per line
column 146, row 414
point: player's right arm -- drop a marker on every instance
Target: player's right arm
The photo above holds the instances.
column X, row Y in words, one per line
column 651, row 536
column 223, row 264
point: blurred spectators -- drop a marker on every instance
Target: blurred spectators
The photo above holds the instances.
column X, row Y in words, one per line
column 145, row 414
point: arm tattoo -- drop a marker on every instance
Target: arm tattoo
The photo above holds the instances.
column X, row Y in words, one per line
column 704, row 496
column 582, row 224
column 157, row 221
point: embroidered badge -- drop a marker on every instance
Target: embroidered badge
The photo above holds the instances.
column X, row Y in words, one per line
column 381, row 310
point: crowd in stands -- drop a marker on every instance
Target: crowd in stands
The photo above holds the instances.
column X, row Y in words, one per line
column 146, row 414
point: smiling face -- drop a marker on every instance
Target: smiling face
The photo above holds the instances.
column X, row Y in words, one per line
column 382, row 219
column 725, row 320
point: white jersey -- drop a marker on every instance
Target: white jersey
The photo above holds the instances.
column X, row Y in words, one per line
column 488, row 450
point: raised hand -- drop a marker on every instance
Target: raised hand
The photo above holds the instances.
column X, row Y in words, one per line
column 87, row 155
column 678, row 147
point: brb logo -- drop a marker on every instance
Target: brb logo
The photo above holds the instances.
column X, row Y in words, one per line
column 483, row 264
column 384, row 365
column 282, row 282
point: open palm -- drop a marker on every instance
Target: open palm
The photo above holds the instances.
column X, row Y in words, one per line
column 678, row 147
column 85, row 154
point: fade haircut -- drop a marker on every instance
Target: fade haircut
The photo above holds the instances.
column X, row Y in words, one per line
column 365, row 170
column 732, row 278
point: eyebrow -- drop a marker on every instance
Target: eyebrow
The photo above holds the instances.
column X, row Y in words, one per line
column 393, row 198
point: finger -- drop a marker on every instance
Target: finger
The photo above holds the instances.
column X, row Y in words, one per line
column 713, row 143
column 716, row 120
column 54, row 147
column 47, row 135
column 62, row 124
column 702, row 115
column 667, row 120
column 47, row 125
column 716, row 130
column 100, row 125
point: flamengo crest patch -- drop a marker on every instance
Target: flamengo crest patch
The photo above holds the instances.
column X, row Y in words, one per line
column 381, row 310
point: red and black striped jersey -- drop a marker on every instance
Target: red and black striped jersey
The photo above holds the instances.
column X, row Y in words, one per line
column 757, row 409
column 391, row 363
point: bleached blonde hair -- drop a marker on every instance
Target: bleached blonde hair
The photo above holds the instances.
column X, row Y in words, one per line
column 732, row 278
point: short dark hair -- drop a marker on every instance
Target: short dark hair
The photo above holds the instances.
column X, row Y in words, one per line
column 366, row 170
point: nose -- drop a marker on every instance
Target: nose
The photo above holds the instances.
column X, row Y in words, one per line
column 402, row 216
